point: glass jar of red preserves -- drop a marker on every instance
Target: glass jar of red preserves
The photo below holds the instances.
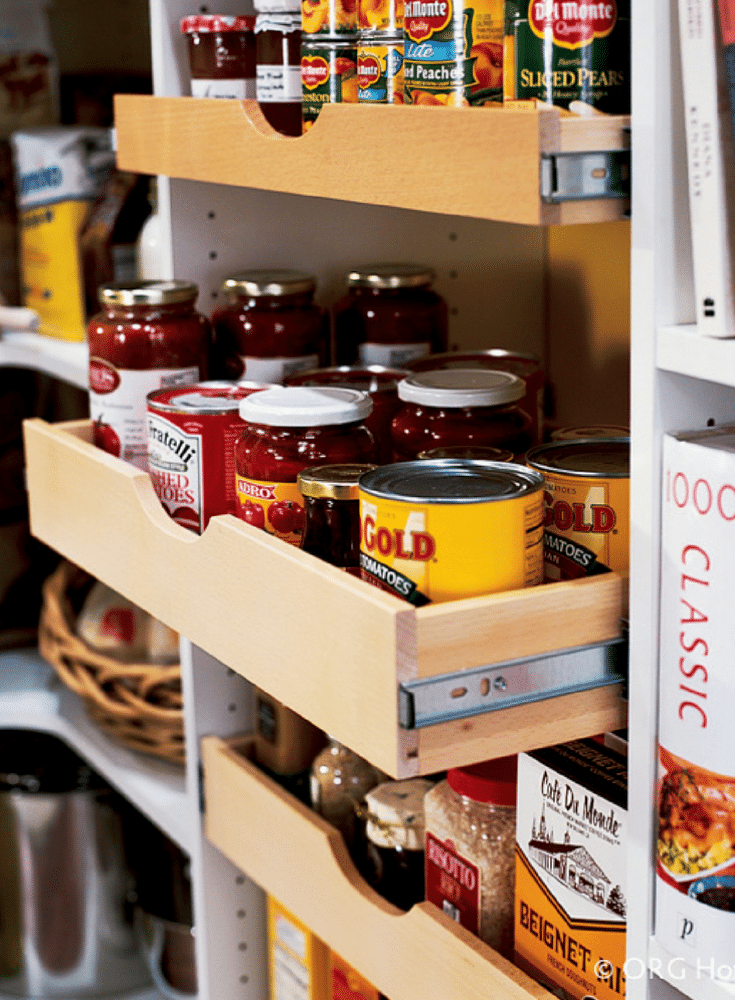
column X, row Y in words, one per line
column 389, row 316
column 380, row 382
column 278, row 63
column 460, row 407
column 147, row 336
column 221, row 54
column 290, row 428
column 270, row 326
column 332, row 513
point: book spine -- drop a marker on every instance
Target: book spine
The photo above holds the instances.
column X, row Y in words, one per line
column 706, row 162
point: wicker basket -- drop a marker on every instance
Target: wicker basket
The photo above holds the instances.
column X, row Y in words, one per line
column 139, row 704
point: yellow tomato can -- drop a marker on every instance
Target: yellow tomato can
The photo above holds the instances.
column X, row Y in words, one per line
column 451, row 528
column 586, row 505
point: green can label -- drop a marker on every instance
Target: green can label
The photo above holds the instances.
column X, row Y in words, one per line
column 328, row 76
column 565, row 52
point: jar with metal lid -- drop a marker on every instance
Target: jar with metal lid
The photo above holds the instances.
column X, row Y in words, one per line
column 270, row 326
column 328, row 74
column 278, row 63
column 475, row 452
column 340, row 779
column 470, row 848
column 389, row 316
column 146, row 336
column 332, row 513
column 460, row 407
column 290, row 428
column 394, row 840
column 380, row 67
column 379, row 381
column 221, row 55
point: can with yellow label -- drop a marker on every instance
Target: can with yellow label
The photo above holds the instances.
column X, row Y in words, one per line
column 586, row 506
column 451, row 528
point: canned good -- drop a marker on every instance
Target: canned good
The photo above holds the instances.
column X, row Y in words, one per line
column 454, row 52
column 442, row 530
column 582, row 57
column 525, row 366
column 328, row 74
column 380, row 16
column 587, row 505
column 191, row 442
column 380, row 68
column 329, row 17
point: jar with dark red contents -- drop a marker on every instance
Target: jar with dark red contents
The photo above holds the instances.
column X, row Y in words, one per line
column 389, row 316
column 460, row 407
column 290, row 428
column 270, row 327
column 278, row 63
column 332, row 513
column 380, row 382
column 221, row 55
column 147, row 336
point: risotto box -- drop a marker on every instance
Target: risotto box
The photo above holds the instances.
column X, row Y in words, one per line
column 570, row 906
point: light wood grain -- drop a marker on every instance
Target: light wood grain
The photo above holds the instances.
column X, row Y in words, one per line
column 472, row 162
column 327, row 644
column 413, row 955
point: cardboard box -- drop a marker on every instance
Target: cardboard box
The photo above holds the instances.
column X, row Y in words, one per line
column 570, row 908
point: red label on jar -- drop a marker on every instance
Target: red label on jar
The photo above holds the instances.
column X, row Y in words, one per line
column 103, row 377
column 314, row 71
column 572, row 25
column 452, row 883
column 274, row 507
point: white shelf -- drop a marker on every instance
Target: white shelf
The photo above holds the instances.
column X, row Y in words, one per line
column 63, row 359
column 682, row 350
column 32, row 697
column 693, row 982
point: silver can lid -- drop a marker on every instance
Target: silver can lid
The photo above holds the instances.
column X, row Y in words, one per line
column 451, row 480
column 603, row 458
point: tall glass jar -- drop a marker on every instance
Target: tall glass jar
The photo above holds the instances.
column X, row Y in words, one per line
column 270, row 326
column 278, row 63
column 289, row 429
column 147, row 336
column 340, row 779
column 470, row 821
column 390, row 315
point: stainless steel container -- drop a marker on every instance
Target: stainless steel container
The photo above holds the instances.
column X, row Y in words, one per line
column 65, row 921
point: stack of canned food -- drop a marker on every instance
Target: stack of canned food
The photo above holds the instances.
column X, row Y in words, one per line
column 424, row 471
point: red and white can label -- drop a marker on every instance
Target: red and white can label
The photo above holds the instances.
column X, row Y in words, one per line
column 175, row 466
column 452, row 883
column 117, row 405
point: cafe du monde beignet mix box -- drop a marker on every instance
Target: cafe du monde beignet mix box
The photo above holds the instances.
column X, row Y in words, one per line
column 571, row 897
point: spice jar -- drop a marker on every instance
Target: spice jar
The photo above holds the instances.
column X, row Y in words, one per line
column 377, row 380
column 147, row 336
column 290, row 428
column 459, row 407
column 332, row 513
column 340, row 779
column 278, row 63
column 221, row 55
column 270, row 326
column 470, row 848
column 394, row 847
column 389, row 316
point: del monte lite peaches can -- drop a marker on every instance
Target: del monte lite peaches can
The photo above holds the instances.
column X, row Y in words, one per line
column 451, row 528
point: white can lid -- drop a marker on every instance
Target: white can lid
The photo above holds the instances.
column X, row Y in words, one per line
column 461, row 387
column 305, row 406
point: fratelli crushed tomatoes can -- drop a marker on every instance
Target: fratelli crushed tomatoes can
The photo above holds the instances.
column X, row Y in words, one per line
column 443, row 530
column 560, row 53
column 587, row 506
column 191, row 449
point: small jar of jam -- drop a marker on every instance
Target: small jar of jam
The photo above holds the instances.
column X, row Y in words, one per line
column 465, row 406
column 332, row 513
column 380, row 382
column 389, row 316
column 278, row 63
column 270, row 326
column 290, row 428
column 147, row 336
column 221, row 55
column 394, row 832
